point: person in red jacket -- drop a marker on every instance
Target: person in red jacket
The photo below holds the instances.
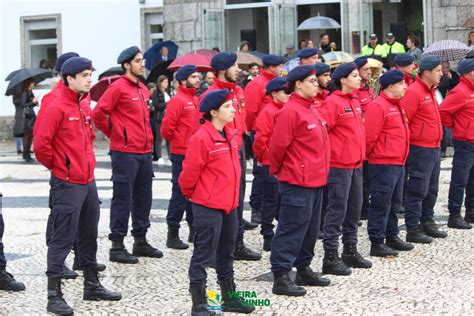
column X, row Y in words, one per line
column 406, row 63
column 65, row 145
column 299, row 157
column 323, row 73
column 423, row 164
column 255, row 100
column 277, row 89
column 457, row 113
column 210, row 180
column 227, row 71
column 122, row 115
column 388, row 143
column 177, row 128
column 344, row 117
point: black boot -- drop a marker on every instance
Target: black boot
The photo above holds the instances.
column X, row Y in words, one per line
column 256, row 216
column 456, row 221
column 396, row 243
column 232, row 302
column 469, row 216
column 141, row 248
column 249, row 225
column 173, row 240
column 416, row 235
column 99, row 267
column 68, row 274
column 352, row 258
column 243, row 253
column 332, row 264
column 267, row 243
column 283, row 285
column 199, row 297
column 431, row 229
column 94, row 291
column 8, row 283
column 306, row 276
column 191, row 233
column 56, row 303
column 382, row 250
column 118, row 253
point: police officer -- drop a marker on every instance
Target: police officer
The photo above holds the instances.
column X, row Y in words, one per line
column 392, row 49
column 344, row 118
column 457, row 113
column 227, row 70
column 406, row 63
column 388, row 143
column 65, row 145
column 176, row 128
column 373, row 49
column 423, row 164
column 255, row 100
column 122, row 115
column 308, row 56
column 277, row 89
column 299, row 157
column 211, row 180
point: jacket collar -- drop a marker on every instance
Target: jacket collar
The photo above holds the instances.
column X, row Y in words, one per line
column 278, row 105
column 188, row 91
column 301, row 100
column 467, row 82
column 267, row 75
column 72, row 95
column 322, row 95
column 349, row 96
column 214, row 133
column 130, row 81
column 391, row 100
column 424, row 85
column 224, row 85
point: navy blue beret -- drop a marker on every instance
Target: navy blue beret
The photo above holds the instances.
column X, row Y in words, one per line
column 343, row 70
column 361, row 61
column 61, row 59
column 213, row 100
column 276, row 84
column 391, row 77
column 404, row 59
column 75, row 65
column 300, row 73
column 272, row 60
column 429, row 62
column 223, row 60
column 127, row 54
column 466, row 65
column 185, row 71
column 307, row 52
column 321, row 68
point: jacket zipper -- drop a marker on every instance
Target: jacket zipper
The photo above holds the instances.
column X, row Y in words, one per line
column 235, row 171
column 85, row 137
column 68, row 166
column 125, row 137
column 142, row 101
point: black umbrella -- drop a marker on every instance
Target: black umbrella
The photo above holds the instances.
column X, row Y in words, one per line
column 35, row 74
column 13, row 73
column 112, row 72
column 160, row 69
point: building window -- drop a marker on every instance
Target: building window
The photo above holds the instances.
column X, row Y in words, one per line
column 152, row 29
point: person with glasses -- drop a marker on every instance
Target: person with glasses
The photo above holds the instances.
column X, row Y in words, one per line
column 122, row 115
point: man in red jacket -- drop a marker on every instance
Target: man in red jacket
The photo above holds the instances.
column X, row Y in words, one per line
column 406, row 63
column 457, row 113
column 122, row 115
column 255, row 100
column 423, row 164
column 323, row 73
column 388, row 143
column 65, row 145
column 176, row 128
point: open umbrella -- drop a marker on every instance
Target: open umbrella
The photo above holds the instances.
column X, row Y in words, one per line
column 448, row 50
column 290, row 64
column 111, row 72
column 13, row 73
column 160, row 69
column 336, row 58
column 201, row 58
column 257, row 53
column 153, row 57
column 318, row 22
column 35, row 74
column 244, row 59
column 99, row 88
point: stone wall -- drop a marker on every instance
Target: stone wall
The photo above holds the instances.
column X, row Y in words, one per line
column 6, row 127
column 446, row 19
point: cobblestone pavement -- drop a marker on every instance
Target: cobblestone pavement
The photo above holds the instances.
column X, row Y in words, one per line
column 436, row 278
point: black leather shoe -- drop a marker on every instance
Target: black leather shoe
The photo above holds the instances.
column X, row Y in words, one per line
column 396, row 243
column 141, row 248
column 118, row 253
column 232, row 302
column 199, row 298
column 382, row 250
column 256, row 216
column 68, row 274
column 416, row 235
column 306, row 276
column 332, row 264
column 431, row 229
column 457, row 222
column 94, row 291
column 173, row 241
column 8, row 283
column 283, row 285
column 352, row 258
column 469, row 216
column 267, row 243
column 56, row 303
column 241, row 252
column 249, row 225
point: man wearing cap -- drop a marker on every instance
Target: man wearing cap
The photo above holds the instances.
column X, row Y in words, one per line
column 457, row 113
column 392, row 48
column 227, row 71
column 323, row 73
column 308, row 56
column 373, row 49
column 176, row 128
column 423, row 164
column 388, row 144
column 65, row 145
column 290, row 51
column 122, row 115
column 406, row 63
column 256, row 99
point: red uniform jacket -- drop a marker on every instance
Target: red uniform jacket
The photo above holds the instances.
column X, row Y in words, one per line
column 457, row 110
column 238, row 101
column 122, row 114
column 408, row 78
column 319, row 99
column 299, row 150
column 345, row 121
column 256, row 98
column 49, row 97
column 421, row 108
column 365, row 95
column 64, row 139
column 211, row 169
column 388, row 134
column 178, row 122
column 264, row 124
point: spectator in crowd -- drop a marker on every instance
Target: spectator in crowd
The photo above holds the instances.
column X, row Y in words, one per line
column 290, row 51
column 309, row 43
column 333, row 46
column 253, row 71
column 301, row 44
column 159, row 100
column 325, row 43
column 470, row 39
column 207, row 81
column 412, row 46
column 245, row 47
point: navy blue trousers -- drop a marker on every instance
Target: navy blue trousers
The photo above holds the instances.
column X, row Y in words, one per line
column 423, row 168
column 344, row 207
column 256, row 195
column 178, row 203
column 214, row 239
column 75, row 213
column 469, row 201
column 3, row 261
column 366, row 190
column 386, row 197
column 298, row 228
column 463, row 161
column 270, row 202
column 132, row 176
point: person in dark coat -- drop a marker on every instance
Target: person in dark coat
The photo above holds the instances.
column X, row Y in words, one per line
column 159, row 100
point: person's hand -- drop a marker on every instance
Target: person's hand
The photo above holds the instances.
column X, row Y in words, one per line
column 34, row 101
column 259, row 164
column 450, row 76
